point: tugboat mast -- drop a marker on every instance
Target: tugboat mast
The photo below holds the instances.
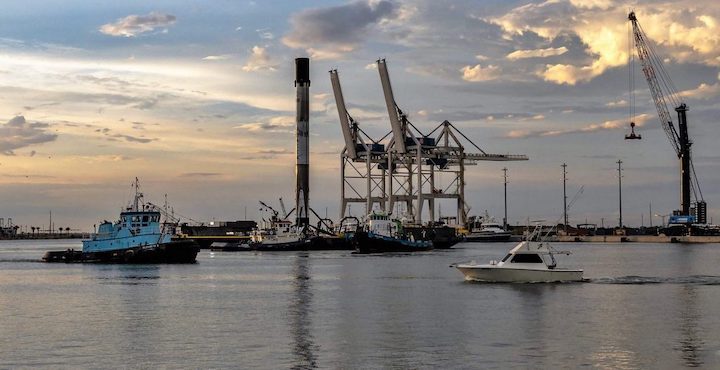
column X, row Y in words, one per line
column 138, row 195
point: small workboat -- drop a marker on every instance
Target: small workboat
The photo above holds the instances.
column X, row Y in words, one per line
column 485, row 229
column 137, row 237
column 529, row 262
column 279, row 235
column 382, row 234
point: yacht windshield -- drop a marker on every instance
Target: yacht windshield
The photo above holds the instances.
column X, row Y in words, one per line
column 527, row 258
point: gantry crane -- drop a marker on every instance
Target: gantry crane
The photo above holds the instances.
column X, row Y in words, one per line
column 663, row 93
column 403, row 169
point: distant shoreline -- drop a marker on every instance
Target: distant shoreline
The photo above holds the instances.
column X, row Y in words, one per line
column 37, row 236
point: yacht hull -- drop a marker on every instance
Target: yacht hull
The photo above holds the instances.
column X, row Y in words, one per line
column 489, row 273
column 184, row 251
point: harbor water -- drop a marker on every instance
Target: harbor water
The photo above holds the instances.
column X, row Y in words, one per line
column 643, row 306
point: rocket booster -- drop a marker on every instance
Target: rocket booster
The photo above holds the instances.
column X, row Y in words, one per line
column 302, row 164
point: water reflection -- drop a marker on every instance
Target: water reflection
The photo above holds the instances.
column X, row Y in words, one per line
column 299, row 311
column 690, row 344
column 533, row 322
column 136, row 296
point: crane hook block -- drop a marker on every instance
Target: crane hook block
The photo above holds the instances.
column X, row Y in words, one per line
column 632, row 135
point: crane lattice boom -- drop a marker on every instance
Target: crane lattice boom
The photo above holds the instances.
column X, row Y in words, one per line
column 649, row 66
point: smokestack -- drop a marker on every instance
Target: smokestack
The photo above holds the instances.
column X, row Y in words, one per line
column 302, row 164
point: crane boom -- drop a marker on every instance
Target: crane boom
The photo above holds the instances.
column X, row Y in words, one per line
column 347, row 123
column 648, row 60
column 657, row 79
column 395, row 114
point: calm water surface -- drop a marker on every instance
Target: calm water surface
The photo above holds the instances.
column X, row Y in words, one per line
column 645, row 306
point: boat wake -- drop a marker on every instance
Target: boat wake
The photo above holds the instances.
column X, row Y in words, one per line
column 641, row 280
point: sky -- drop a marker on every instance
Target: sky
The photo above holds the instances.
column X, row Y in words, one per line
column 196, row 99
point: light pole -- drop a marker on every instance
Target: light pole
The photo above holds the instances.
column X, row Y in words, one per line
column 619, row 162
column 565, row 218
column 505, row 194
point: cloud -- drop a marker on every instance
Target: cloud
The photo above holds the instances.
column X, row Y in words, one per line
column 282, row 124
column 687, row 32
column 265, row 34
column 200, row 174
column 133, row 139
column 703, row 91
column 479, row 73
column 537, row 53
column 603, row 32
column 617, row 103
column 134, row 25
column 592, row 4
column 217, row 57
column 593, row 127
column 18, row 133
column 259, row 60
column 537, row 117
column 100, row 158
column 330, row 32
column 275, row 151
column 569, row 74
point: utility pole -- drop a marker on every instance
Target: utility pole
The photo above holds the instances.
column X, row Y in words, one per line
column 505, row 193
column 619, row 162
column 564, row 167
column 651, row 214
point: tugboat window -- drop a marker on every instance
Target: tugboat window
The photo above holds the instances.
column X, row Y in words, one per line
column 527, row 258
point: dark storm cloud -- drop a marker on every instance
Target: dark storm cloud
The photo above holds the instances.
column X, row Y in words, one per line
column 18, row 133
column 339, row 28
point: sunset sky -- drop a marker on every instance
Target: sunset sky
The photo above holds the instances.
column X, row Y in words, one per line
column 196, row 98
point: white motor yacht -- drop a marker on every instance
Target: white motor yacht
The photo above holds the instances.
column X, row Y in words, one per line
column 528, row 262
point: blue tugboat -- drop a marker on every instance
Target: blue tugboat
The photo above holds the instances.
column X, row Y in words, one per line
column 381, row 235
column 138, row 237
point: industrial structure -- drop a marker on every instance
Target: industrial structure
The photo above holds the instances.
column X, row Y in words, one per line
column 302, row 164
column 401, row 168
column 663, row 93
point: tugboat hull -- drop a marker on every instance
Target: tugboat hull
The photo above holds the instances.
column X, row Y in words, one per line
column 295, row 245
column 367, row 243
column 485, row 238
column 184, row 251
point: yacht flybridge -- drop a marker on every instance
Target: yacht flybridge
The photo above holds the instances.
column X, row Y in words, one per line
column 529, row 262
